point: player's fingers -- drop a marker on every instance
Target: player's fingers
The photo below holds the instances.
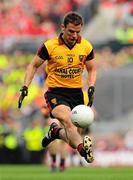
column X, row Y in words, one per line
column 20, row 101
column 19, row 104
column 90, row 103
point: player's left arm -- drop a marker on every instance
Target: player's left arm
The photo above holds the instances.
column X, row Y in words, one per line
column 91, row 69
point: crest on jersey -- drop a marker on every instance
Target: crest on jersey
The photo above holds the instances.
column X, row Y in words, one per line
column 54, row 101
column 82, row 58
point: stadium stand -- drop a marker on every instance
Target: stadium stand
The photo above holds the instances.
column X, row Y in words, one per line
column 26, row 23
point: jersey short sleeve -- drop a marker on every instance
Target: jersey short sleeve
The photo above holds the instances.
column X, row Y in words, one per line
column 90, row 51
column 46, row 49
column 43, row 52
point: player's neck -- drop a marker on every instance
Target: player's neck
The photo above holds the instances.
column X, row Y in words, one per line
column 67, row 43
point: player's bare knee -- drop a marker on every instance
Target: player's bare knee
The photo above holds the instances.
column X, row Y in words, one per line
column 68, row 124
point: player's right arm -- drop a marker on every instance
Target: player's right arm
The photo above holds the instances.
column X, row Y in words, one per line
column 31, row 70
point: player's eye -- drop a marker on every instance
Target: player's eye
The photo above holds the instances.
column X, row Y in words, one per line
column 71, row 31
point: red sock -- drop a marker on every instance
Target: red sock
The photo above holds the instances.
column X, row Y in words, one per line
column 56, row 132
column 80, row 149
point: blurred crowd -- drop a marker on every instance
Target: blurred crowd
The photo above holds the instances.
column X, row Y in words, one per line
column 22, row 145
column 21, row 130
column 123, row 18
column 37, row 17
column 12, row 69
column 28, row 125
column 31, row 21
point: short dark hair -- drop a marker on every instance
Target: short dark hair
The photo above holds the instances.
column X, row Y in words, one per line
column 72, row 17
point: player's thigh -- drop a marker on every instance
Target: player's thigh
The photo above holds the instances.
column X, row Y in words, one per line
column 62, row 113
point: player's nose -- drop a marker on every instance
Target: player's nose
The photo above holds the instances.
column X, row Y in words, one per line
column 75, row 35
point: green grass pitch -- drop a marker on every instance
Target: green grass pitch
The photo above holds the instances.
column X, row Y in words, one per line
column 33, row 172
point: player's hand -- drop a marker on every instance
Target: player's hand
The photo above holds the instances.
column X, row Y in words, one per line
column 91, row 91
column 24, row 92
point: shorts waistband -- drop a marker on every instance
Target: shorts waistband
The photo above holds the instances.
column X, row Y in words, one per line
column 71, row 90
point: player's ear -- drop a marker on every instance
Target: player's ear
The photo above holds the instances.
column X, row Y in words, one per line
column 62, row 27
